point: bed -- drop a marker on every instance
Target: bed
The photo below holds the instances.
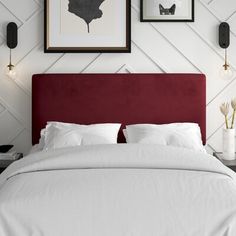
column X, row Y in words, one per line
column 118, row 189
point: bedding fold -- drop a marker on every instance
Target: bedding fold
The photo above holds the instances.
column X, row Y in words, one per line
column 117, row 156
column 118, row 190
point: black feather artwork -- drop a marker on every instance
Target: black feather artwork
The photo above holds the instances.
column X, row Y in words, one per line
column 88, row 10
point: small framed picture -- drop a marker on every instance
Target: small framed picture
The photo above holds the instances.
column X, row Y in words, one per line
column 167, row 10
column 87, row 26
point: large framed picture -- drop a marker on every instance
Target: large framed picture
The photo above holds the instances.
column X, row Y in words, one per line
column 87, row 26
column 167, row 10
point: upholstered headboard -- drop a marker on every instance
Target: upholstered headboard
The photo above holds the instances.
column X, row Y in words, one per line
column 124, row 98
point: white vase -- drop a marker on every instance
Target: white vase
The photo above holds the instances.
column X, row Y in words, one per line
column 228, row 144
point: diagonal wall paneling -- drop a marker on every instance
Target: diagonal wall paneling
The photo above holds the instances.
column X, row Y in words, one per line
column 156, row 48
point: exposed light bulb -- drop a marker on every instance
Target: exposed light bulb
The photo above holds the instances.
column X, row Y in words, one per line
column 226, row 72
column 11, row 71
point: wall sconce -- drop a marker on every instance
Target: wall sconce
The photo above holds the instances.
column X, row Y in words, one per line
column 12, row 40
column 224, row 42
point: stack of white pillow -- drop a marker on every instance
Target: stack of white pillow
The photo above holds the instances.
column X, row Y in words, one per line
column 58, row 135
column 186, row 135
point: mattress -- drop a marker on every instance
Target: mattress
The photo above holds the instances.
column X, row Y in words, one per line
column 118, row 190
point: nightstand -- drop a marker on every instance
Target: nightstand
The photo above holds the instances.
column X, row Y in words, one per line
column 230, row 164
column 5, row 163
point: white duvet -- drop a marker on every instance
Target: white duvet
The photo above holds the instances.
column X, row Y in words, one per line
column 118, row 190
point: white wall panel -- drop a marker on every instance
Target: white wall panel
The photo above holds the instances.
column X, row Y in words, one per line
column 1, row 40
column 39, row 1
column 39, row 63
column 1, row 108
column 24, row 12
column 22, row 141
column 156, row 47
column 207, row 1
column 223, row 8
column 10, row 127
column 5, row 17
column 232, row 22
column 16, row 100
column 78, row 62
column 135, row 62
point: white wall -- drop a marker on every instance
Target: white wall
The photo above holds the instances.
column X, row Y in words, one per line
column 156, row 47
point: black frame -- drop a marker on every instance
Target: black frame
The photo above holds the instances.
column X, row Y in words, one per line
column 155, row 20
column 126, row 49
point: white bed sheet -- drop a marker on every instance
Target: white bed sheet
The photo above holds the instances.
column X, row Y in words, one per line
column 118, row 190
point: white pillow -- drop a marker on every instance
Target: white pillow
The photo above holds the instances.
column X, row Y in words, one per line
column 57, row 137
column 187, row 135
column 42, row 139
column 58, row 134
column 126, row 135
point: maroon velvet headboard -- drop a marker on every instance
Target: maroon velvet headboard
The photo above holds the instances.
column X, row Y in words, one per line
column 124, row 98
